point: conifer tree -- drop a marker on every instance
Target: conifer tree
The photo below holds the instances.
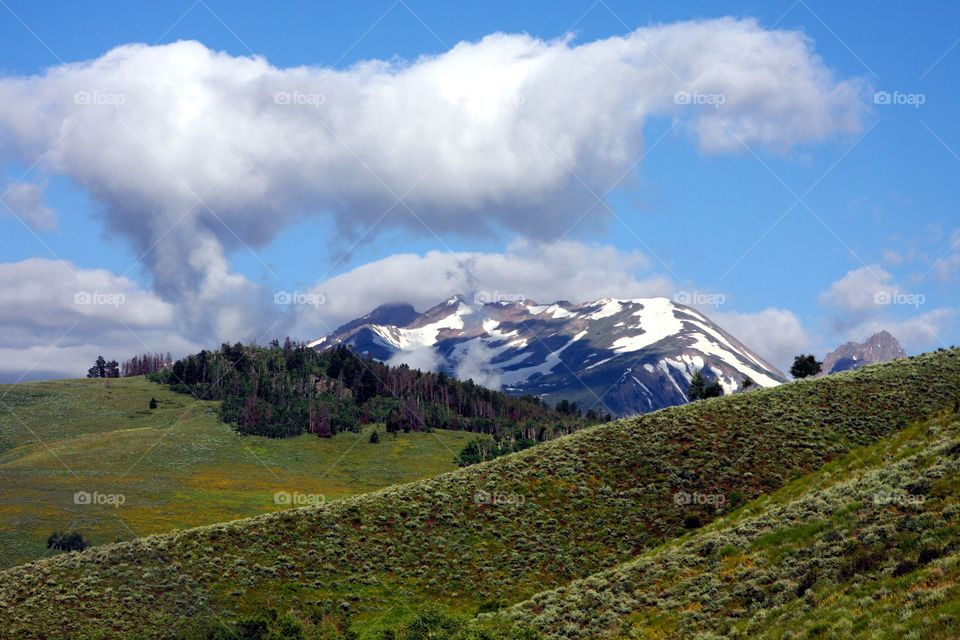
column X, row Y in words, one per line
column 805, row 365
column 698, row 386
column 99, row 369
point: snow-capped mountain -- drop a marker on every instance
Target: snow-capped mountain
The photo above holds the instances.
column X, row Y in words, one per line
column 625, row 356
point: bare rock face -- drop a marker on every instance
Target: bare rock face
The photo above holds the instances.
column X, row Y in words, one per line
column 621, row 356
column 880, row 347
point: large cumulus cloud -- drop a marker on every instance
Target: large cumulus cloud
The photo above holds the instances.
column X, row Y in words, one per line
column 193, row 154
column 56, row 318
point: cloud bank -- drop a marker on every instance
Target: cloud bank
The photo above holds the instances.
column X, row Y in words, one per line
column 57, row 318
column 777, row 335
column 25, row 201
column 869, row 299
column 193, row 153
column 526, row 270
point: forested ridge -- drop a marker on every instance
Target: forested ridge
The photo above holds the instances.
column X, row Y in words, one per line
column 290, row 389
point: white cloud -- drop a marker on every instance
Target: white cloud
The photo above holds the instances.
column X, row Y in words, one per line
column 474, row 364
column 946, row 267
column 947, row 263
column 918, row 333
column 56, row 318
column 894, row 258
column 25, row 201
column 563, row 270
column 861, row 291
column 416, row 357
column 776, row 335
column 194, row 153
column 869, row 299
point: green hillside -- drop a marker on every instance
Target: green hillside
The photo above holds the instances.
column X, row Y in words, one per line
column 867, row 547
column 177, row 466
column 501, row 531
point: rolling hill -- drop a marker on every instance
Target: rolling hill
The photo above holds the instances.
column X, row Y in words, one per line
column 869, row 546
column 177, row 466
column 498, row 532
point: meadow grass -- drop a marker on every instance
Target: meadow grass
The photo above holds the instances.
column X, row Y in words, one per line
column 177, row 466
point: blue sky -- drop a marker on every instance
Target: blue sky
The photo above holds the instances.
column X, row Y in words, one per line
column 768, row 228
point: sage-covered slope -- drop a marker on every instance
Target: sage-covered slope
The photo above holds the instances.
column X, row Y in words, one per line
column 503, row 530
column 868, row 547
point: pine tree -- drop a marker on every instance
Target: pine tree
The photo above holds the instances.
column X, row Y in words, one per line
column 698, row 386
column 713, row 390
column 805, row 365
column 374, row 437
column 153, row 403
column 66, row 541
column 99, row 368
column 367, row 387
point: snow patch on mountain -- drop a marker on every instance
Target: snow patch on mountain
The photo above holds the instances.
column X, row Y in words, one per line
column 608, row 308
column 657, row 321
column 635, row 355
column 556, row 311
column 704, row 345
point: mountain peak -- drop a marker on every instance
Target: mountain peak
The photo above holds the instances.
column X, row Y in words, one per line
column 396, row 313
column 882, row 336
column 618, row 355
column 880, row 347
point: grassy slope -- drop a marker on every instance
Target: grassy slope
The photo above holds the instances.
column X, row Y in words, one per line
column 867, row 547
column 570, row 508
column 177, row 466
